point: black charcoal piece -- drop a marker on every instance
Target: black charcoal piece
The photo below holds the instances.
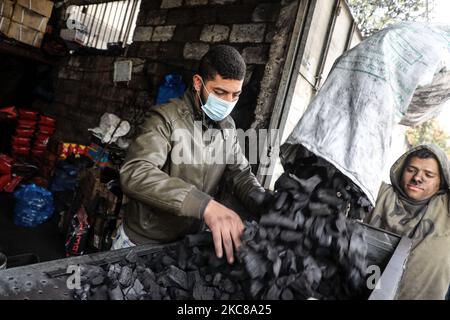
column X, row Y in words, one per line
column 310, row 184
column 228, row 286
column 201, row 292
column 116, row 294
column 276, row 267
column 287, row 182
column 131, row 257
column 329, row 197
column 138, row 287
column 280, row 200
column 215, row 262
column 291, row 236
column 178, row 277
column 319, row 209
column 254, row 264
column 262, row 232
column 208, row 278
column 98, row 280
column 217, row 278
column 299, row 218
column 168, row 261
column 287, row 294
column 274, row 220
column 273, row 293
column 178, row 294
column 199, row 239
column 225, row 296
column 255, row 287
column 130, row 294
column 193, row 278
column 126, row 276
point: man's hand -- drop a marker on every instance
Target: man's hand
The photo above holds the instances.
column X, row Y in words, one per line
column 226, row 227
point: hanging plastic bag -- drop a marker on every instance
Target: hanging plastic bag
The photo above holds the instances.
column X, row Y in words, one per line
column 34, row 205
column 111, row 128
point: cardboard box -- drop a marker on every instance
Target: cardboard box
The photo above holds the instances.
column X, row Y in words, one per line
column 29, row 18
column 6, row 8
column 43, row 7
column 25, row 34
column 4, row 25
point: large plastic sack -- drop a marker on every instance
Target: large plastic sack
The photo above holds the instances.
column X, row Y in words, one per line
column 368, row 91
column 34, row 205
column 173, row 87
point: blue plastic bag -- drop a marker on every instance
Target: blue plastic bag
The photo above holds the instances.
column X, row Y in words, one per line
column 34, row 205
column 173, row 87
column 65, row 178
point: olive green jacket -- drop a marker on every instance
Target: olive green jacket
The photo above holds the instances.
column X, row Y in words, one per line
column 426, row 274
column 168, row 174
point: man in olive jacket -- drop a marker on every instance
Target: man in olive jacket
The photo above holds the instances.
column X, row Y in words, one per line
column 416, row 205
column 168, row 174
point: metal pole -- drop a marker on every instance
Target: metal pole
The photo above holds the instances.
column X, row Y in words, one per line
column 124, row 19
column 102, row 22
column 91, row 24
column 106, row 22
column 113, row 25
column 130, row 21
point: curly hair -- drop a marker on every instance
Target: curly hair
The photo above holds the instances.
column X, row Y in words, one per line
column 223, row 60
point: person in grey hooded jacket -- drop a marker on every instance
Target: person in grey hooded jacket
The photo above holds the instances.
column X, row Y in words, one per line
column 416, row 205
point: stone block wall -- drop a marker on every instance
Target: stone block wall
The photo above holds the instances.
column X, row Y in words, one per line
column 170, row 37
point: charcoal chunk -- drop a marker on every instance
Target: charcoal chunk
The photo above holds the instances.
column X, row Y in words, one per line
column 178, row 277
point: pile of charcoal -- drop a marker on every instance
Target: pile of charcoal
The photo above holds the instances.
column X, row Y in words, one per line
column 307, row 244
column 189, row 270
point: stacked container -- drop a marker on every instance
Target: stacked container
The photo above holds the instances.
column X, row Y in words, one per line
column 21, row 140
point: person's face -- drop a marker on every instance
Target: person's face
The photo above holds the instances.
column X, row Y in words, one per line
column 225, row 89
column 421, row 179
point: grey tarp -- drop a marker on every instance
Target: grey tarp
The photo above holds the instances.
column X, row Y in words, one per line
column 370, row 89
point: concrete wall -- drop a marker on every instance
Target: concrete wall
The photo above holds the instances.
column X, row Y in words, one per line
column 171, row 36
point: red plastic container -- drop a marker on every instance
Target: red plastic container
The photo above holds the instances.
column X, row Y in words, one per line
column 24, row 151
column 27, row 114
column 49, row 131
column 37, row 153
column 5, row 164
column 42, row 139
column 40, row 147
column 47, row 121
column 4, row 181
column 20, row 141
column 24, row 132
column 25, row 123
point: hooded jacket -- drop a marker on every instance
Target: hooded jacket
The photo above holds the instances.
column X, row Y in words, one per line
column 167, row 195
column 427, row 272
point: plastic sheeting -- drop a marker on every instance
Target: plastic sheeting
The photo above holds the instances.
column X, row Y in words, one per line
column 369, row 90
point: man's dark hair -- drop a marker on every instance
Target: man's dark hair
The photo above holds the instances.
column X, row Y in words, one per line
column 223, row 60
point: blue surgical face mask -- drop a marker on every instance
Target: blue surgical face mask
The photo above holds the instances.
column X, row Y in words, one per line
column 216, row 108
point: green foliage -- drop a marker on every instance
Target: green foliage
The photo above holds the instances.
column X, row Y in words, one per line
column 374, row 15
column 429, row 132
